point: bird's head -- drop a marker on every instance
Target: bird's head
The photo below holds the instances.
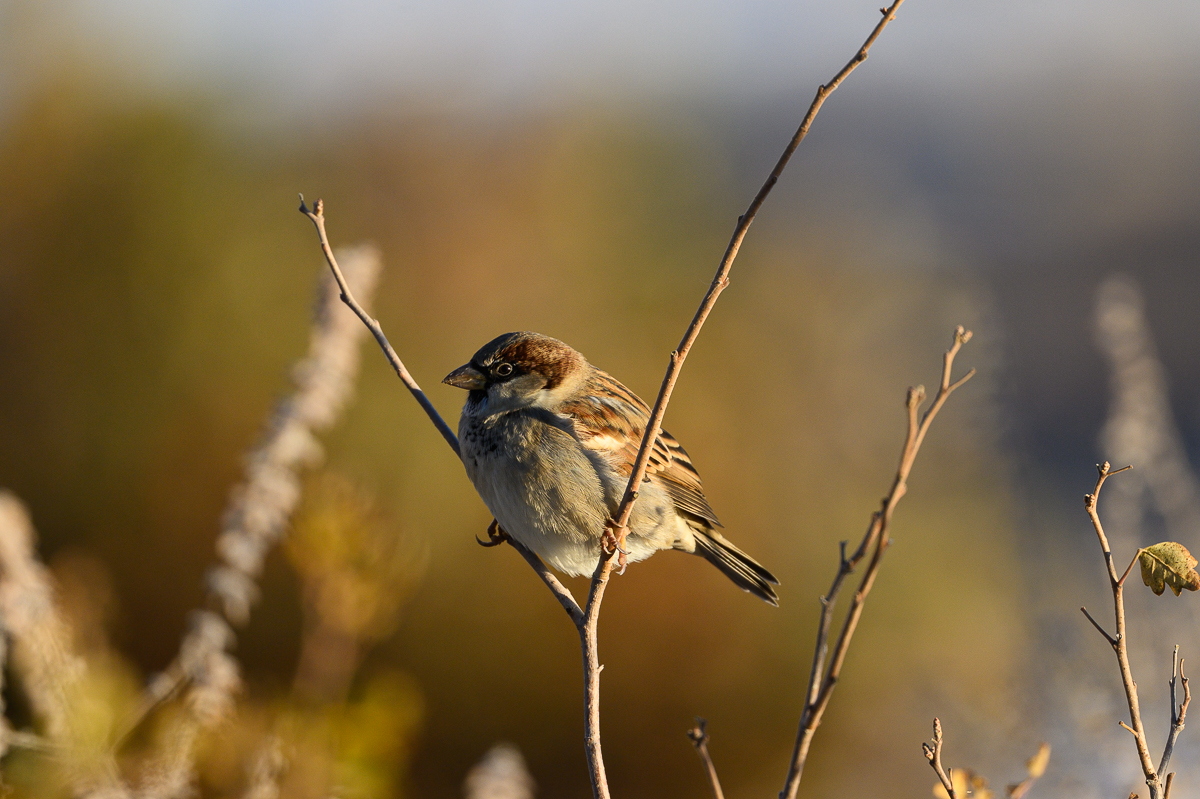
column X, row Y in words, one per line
column 520, row 370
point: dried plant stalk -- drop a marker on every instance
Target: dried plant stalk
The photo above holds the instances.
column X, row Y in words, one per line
column 50, row 672
column 255, row 520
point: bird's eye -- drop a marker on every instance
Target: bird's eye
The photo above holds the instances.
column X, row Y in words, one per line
column 504, row 369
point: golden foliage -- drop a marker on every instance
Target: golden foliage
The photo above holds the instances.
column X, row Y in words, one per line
column 1168, row 564
column 968, row 783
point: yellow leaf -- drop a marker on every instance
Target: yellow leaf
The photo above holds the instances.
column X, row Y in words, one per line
column 1036, row 765
column 1170, row 564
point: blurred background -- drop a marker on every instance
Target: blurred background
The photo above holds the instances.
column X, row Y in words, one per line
column 576, row 170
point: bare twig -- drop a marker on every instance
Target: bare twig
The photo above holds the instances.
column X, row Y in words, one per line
column 1178, row 715
column 1129, row 568
column 1112, row 641
column 721, row 279
column 591, row 675
column 1120, row 642
column 820, row 687
column 699, row 738
column 317, row 216
column 719, row 283
column 564, row 596
column 933, row 753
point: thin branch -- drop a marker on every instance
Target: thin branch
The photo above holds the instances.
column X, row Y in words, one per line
column 820, row 688
column 560, row 591
column 699, row 738
column 317, row 216
column 1129, row 568
column 934, row 755
column 1112, row 641
column 1178, row 714
column 1121, row 647
column 1167, row 788
column 591, row 675
column 721, row 279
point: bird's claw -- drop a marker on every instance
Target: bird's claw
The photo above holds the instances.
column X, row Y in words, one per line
column 496, row 536
column 611, row 542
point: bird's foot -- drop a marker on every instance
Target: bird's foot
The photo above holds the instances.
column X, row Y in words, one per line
column 611, row 542
column 496, row 535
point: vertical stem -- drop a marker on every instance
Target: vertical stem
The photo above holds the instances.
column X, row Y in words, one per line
column 591, row 679
column 1121, row 647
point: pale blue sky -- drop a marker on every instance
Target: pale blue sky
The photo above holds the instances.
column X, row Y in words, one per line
column 533, row 51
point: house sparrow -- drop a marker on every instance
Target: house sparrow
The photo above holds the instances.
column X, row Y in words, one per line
column 549, row 442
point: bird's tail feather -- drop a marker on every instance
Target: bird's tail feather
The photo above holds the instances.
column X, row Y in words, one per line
column 746, row 573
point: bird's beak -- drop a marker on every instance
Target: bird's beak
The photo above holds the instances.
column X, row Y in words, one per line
column 468, row 377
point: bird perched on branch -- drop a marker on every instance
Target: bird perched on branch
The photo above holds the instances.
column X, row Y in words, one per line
column 549, row 442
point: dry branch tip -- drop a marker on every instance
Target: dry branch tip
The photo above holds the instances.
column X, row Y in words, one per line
column 934, row 755
column 698, row 735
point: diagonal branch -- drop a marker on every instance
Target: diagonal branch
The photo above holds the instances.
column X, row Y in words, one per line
column 317, row 217
column 1112, row 641
column 820, row 689
column 721, row 279
column 560, row 591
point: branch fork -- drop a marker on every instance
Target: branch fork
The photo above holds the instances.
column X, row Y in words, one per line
column 1158, row 780
column 933, row 753
column 823, row 678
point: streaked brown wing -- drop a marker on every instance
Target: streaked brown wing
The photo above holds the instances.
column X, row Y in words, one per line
column 611, row 419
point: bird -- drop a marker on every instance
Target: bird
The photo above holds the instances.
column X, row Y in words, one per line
column 549, row 442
